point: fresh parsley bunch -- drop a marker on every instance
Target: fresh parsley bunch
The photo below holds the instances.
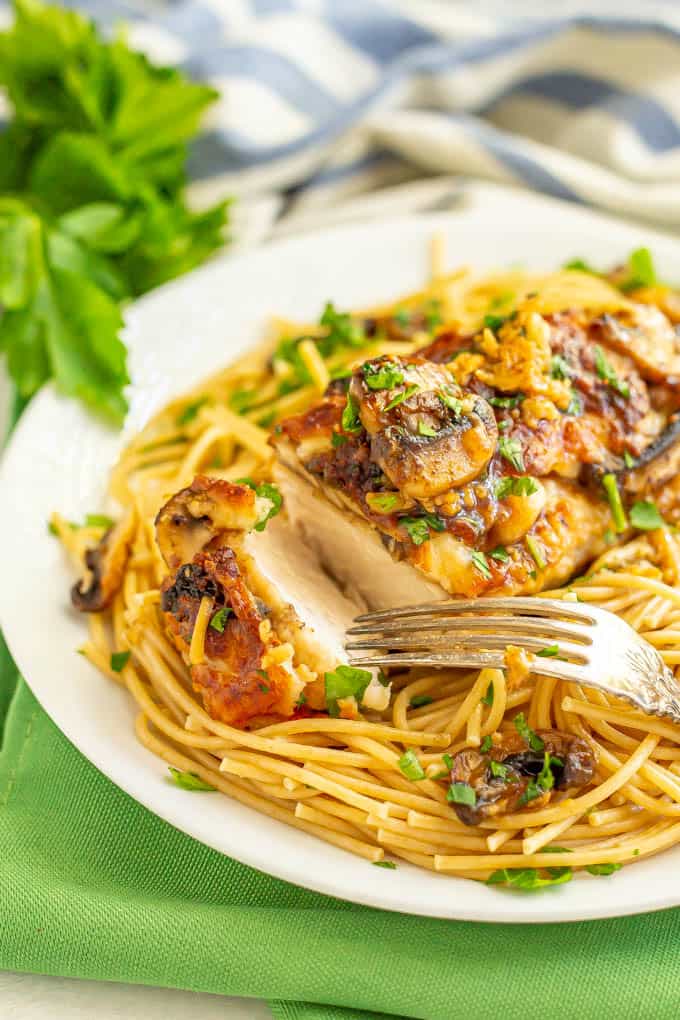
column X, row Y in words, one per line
column 92, row 211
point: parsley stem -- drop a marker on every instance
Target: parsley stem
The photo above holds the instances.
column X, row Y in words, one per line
column 614, row 497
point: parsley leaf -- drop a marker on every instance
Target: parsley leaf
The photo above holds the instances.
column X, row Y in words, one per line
column 511, row 450
column 560, row 368
column 641, row 270
column 461, row 793
column 425, row 430
column 189, row 781
column 384, row 864
column 454, row 404
column 507, row 402
column 382, row 377
column 401, row 397
column 528, row 879
column 511, row 485
column 527, row 734
column 494, row 322
column 550, row 652
column 488, row 697
column 350, row 417
column 603, row 869
column 220, row 618
column 418, row 528
column 266, row 491
column 419, row 700
column 410, row 767
column 500, row 553
column 481, row 563
column 95, row 156
column 189, row 411
column 645, row 516
column 345, row 682
column 119, row 660
column 486, row 744
column 608, row 375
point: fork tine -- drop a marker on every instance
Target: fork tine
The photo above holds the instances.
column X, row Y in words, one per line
column 513, row 627
column 463, row 642
column 531, row 606
column 467, row 660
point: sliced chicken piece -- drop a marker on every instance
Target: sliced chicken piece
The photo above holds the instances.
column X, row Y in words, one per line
column 255, row 618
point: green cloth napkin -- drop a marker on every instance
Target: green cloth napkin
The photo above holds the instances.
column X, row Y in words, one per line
column 93, row 885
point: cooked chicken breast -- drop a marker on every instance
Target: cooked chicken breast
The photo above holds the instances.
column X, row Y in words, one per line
column 255, row 618
column 476, row 466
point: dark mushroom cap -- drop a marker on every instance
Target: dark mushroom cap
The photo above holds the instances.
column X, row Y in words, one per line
column 106, row 566
column 436, row 439
column 504, row 793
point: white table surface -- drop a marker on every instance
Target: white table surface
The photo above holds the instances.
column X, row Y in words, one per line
column 35, row 997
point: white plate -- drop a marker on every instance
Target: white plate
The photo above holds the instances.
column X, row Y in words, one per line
column 59, row 459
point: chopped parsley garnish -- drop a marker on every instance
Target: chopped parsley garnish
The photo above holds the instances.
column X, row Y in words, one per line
column 603, row 869
column 402, row 316
column 191, row 410
column 454, row 404
column 560, row 367
column 267, row 419
column 500, row 553
column 265, row 490
column 382, row 377
column 550, row 652
column 486, row 744
column 536, row 552
column 480, row 561
column 384, row 864
column 410, row 767
column 350, row 417
column 418, row 528
column 119, row 660
column 494, row 322
column 511, row 450
column 420, row 699
column 337, row 439
column 642, row 271
column 614, row 496
column 581, row 266
column 500, row 771
column 426, row 430
column 510, row 485
column 189, row 781
column 527, row 734
column 302, row 700
column 507, row 402
column 645, row 516
column 264, row 688
column 98, row 521
column 545, row 778
column 575, row 405
column 241, row 400
column 220, row 618
column 343, row 331
column 488, row 697
column 528, row 879
column 608, row 375
column 401, row 397
column 461, row 793
column 383, row 680
column 628, row 460
column 345, row 682
column 532, row 792
column 383, row 502
column 433, row 315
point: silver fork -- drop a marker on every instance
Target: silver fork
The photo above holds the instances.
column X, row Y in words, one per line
column 584, row 644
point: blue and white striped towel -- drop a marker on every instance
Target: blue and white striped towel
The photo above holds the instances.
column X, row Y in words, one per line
column 324, row 101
